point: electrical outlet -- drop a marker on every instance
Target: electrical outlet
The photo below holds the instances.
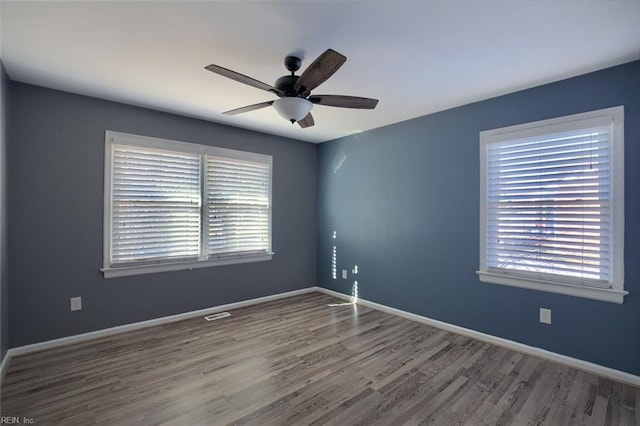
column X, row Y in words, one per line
column 344, row 274
column 76, row 303
column 545, row 316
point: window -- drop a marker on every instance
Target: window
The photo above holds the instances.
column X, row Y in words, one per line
column 552, row 205
column 173, row 205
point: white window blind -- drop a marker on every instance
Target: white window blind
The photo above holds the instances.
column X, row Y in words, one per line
column 155, row 205
column 552, row 204
column 549, row 208
column 174, row 205
column 238, row 193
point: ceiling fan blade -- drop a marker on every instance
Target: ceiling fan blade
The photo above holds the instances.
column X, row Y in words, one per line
column 306, row 122
column 248, row 108
column 319, row 71
column 241, row 78
column 344, row 101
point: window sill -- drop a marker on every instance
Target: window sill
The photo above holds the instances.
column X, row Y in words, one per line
column 181, row 266
column 604, row 294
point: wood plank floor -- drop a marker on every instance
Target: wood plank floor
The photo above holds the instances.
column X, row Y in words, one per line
column 300, row 361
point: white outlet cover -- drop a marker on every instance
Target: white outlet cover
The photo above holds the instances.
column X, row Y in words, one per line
column 545, row 316
column 344, row 274
column 76, row 303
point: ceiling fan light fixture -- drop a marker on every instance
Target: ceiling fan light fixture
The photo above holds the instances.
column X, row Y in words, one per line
column 293, row 108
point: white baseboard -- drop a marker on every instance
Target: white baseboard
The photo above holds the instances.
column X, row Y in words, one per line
column 610, row 373
column 36, row 347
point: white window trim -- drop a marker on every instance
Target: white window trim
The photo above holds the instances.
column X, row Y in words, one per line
column 615, row 293
column 112, row 138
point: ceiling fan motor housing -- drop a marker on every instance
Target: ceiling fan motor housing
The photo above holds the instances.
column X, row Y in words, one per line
column 286, row 83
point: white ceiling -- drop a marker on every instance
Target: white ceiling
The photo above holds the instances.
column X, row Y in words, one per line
column 417, row 57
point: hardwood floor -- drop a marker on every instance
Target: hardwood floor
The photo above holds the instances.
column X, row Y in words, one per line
column 300, row 361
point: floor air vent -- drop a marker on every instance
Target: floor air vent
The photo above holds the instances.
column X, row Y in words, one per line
column 214, row 317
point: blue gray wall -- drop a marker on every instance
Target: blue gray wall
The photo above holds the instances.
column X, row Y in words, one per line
column 4, row 277
column 404, row 203
column 56, row 166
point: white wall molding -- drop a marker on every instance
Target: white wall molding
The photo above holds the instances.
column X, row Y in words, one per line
column 609, row 373
column 36, row 347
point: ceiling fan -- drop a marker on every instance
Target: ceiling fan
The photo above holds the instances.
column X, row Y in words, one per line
column 294, row 91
